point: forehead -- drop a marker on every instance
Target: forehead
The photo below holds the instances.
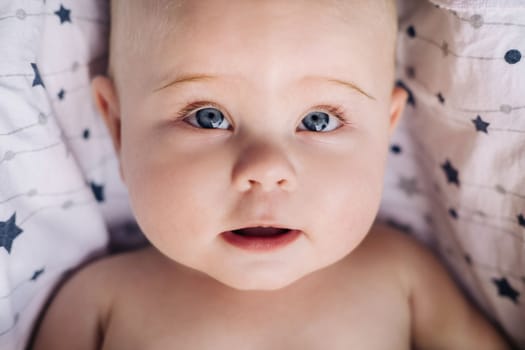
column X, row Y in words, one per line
column 246, row 38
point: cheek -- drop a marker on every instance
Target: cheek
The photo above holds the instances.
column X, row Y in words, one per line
column 174, row 196
column 348, row 192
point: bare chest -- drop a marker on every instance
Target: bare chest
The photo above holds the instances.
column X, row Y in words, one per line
column 365, row 314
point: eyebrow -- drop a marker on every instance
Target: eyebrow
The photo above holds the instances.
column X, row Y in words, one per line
column 206, row 77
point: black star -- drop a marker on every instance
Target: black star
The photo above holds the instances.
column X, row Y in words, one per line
column 450, row 172
column 441, row 98
column 63, row 14
column 411, row 31
column 98, row 191
column 37, row 274
column 396, row 149
column 37, row 80
column 61, row 94
column 506, row 290
column 8, row 232
column 521, row 220
column 481, row 125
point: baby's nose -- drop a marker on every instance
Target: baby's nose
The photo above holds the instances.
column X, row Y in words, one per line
column 264, row 166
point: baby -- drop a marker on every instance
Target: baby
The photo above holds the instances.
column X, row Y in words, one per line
column 252, row 136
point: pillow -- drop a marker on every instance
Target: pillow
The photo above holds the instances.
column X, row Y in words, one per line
column 58, row 184
column 60, row 193
column 456, row 170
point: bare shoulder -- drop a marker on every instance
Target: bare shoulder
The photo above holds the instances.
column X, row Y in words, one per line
column 111, row 273
column 401, row 254
column 392, row 241
column 442, row 317
column 396, row 247
column 90, row 292
column 116, row 268
column 415, row 260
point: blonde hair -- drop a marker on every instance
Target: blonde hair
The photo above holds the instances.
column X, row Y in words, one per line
column 134, row 22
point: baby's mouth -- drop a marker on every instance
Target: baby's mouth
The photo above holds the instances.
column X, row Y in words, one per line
column 261, row 239
column 261, row 231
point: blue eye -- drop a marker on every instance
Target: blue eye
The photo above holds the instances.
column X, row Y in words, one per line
column 320, row 121
column 209, row 118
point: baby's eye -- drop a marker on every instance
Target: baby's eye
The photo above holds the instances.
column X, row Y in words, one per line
column 320, row 121
column 208, row 118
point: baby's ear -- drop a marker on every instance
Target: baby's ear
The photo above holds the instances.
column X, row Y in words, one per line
column 106, row 100
column 397, row 105
column 107, row 103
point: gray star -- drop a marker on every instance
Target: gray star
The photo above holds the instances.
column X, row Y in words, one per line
column 500, row 189
column 476, row 21
column 8, row 232
column 445, row 49
column 65, row 142
column 408, row 185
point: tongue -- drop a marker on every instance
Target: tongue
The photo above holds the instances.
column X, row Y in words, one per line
column 260, row 231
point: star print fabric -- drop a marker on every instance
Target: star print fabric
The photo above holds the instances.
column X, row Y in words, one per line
column 476, row 5
column 455, row 177
column 58, row 189
column 457, row 163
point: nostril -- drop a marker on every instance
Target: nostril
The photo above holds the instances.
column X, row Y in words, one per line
column 286, row 185
column 263, row 166
column 269, row 186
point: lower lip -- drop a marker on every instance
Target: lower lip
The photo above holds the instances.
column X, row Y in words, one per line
column 261, row 244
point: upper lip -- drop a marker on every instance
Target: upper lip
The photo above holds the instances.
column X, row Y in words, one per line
column 272, row 224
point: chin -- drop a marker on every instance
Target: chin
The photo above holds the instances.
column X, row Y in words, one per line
column 256, row 282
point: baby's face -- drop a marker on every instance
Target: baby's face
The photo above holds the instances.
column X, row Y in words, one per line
column 256, row 113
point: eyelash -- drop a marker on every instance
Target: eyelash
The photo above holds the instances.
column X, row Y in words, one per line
column 191, row 107
column 337, row 111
